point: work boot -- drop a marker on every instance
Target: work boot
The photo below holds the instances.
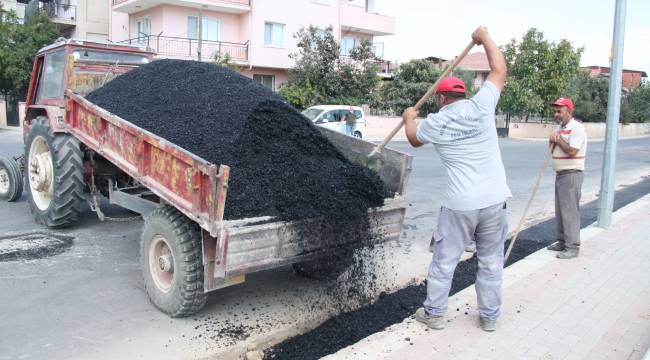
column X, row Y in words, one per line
column 471, row 247
column 557, row 246
column 488, row 325
column 436, row 322
column 568, row 254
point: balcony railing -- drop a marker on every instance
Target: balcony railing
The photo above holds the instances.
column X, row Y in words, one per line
column 216, row 2
column 168, row 46
column 57, row 11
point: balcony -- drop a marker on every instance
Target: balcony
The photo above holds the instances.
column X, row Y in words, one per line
column 185, row 48
column 356, row 18
column 65, row 15
column 229, row 6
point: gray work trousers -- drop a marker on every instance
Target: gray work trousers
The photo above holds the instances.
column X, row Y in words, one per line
column 568, row 187
column 488, row 227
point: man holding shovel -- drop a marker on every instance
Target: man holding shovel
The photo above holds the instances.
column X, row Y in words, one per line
column 473, row 205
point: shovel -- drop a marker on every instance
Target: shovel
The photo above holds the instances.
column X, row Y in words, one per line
column 375, row 160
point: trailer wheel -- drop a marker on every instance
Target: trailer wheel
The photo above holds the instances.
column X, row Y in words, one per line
column 54, row 174
column 11, row 179
column 172, row 263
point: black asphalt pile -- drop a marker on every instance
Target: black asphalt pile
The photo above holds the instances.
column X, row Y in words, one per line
column 350, row 327
column 280, row 163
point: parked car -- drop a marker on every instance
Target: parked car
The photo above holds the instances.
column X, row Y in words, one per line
column 333, row 117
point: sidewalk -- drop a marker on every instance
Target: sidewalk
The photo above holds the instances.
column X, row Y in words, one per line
column 594, row 307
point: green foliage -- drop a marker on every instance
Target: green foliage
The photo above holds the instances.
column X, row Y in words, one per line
column 635, row 107
column 411, row 81
column 538, row 73
column 225, row 60
column 18, row 45
column 322, row 76
column 589, row 96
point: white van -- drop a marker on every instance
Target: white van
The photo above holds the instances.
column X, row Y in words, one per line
column 333, row 117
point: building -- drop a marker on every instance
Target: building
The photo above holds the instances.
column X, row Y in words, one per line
column 16, row 6
column 478, row 64
column 256, row 34
column 631, row 78
column 79, row 19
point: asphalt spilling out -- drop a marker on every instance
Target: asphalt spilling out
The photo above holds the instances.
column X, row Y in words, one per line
column 281, row 165
column 350, row 327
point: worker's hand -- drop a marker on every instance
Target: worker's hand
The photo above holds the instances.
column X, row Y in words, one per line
column 479, row 35
column 409, row 114
column 554, row 138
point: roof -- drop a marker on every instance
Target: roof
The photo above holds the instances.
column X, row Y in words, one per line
column 63, row 41
column 605, row 70
column 476, row 61
column 335, row 107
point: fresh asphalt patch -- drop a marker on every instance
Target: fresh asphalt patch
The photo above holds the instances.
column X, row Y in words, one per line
column 350, row 327
column 33, row 245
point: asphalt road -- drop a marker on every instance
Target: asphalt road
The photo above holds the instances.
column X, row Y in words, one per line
column 89, row 301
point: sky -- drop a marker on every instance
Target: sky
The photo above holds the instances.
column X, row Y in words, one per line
column 442, row 28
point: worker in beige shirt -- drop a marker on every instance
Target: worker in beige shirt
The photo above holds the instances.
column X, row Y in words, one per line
column 569, row 149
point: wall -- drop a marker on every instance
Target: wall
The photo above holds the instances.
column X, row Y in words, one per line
column 320, row 15
column 175, row 22
column 594, row 130
column 3, row 114
column 281, row 76
column 92, row 21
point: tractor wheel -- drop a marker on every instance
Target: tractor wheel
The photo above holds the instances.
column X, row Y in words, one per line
column 11, row 179
column 172, row 265
column 54, row 174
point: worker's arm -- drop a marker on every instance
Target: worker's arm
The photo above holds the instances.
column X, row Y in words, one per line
column 557, row 139
column 411, row 127
column 498, row 69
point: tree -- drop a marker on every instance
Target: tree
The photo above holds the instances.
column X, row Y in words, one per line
column 635, row 106
column 322, row 76
column 411, row 81
column 18, row 45
column 589, row 95
column 538, row 72
column 225, row 60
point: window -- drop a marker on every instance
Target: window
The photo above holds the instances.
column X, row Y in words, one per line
column 51, row 79
column 332, row 116
column 312, row 114
column 273, row 34
column 209, row 31
column 265, row 80
column 142, row 27
column 347, row 44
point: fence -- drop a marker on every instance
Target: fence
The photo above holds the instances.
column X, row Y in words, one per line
column 60, row 11
column 188, row 48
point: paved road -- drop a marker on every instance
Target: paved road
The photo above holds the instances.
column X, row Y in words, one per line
column 90, row 302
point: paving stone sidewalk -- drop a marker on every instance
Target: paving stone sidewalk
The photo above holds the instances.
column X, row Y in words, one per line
column 594, row 307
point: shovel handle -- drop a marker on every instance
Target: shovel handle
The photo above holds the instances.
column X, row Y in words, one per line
column 429, row 92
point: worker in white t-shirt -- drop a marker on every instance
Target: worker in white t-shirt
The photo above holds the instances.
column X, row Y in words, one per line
column 569, row 149
column 473, row 202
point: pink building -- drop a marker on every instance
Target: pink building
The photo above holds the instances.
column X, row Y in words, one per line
column 257, row 34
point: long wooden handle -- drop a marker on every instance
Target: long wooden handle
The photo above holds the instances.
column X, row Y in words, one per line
column 429, row 92
column 530, row 201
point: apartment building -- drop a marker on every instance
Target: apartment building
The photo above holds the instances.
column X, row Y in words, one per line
column 256, row 34
column 16, row 6
column 79, row 19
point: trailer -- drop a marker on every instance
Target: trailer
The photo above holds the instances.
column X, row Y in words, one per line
column 76, row 151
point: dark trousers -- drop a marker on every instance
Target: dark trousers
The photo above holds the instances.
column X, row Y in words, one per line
column 568, row 185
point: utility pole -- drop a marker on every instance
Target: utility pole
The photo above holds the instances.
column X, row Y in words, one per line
column 606, row 197
column 200, row 34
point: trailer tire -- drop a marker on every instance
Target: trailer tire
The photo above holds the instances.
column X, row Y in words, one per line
column 57, row 160
column 172, row 264
column 11, row 179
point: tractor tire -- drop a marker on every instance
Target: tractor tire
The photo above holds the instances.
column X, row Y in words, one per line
column 11, row 179
column 54, row 175
column 172, row 262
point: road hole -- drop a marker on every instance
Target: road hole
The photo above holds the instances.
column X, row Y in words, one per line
column 33, row 245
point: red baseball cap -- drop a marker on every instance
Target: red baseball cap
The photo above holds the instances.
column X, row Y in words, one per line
column 563, row 102
column 451, row 84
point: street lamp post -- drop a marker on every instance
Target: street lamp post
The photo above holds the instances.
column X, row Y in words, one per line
column 606, row 197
